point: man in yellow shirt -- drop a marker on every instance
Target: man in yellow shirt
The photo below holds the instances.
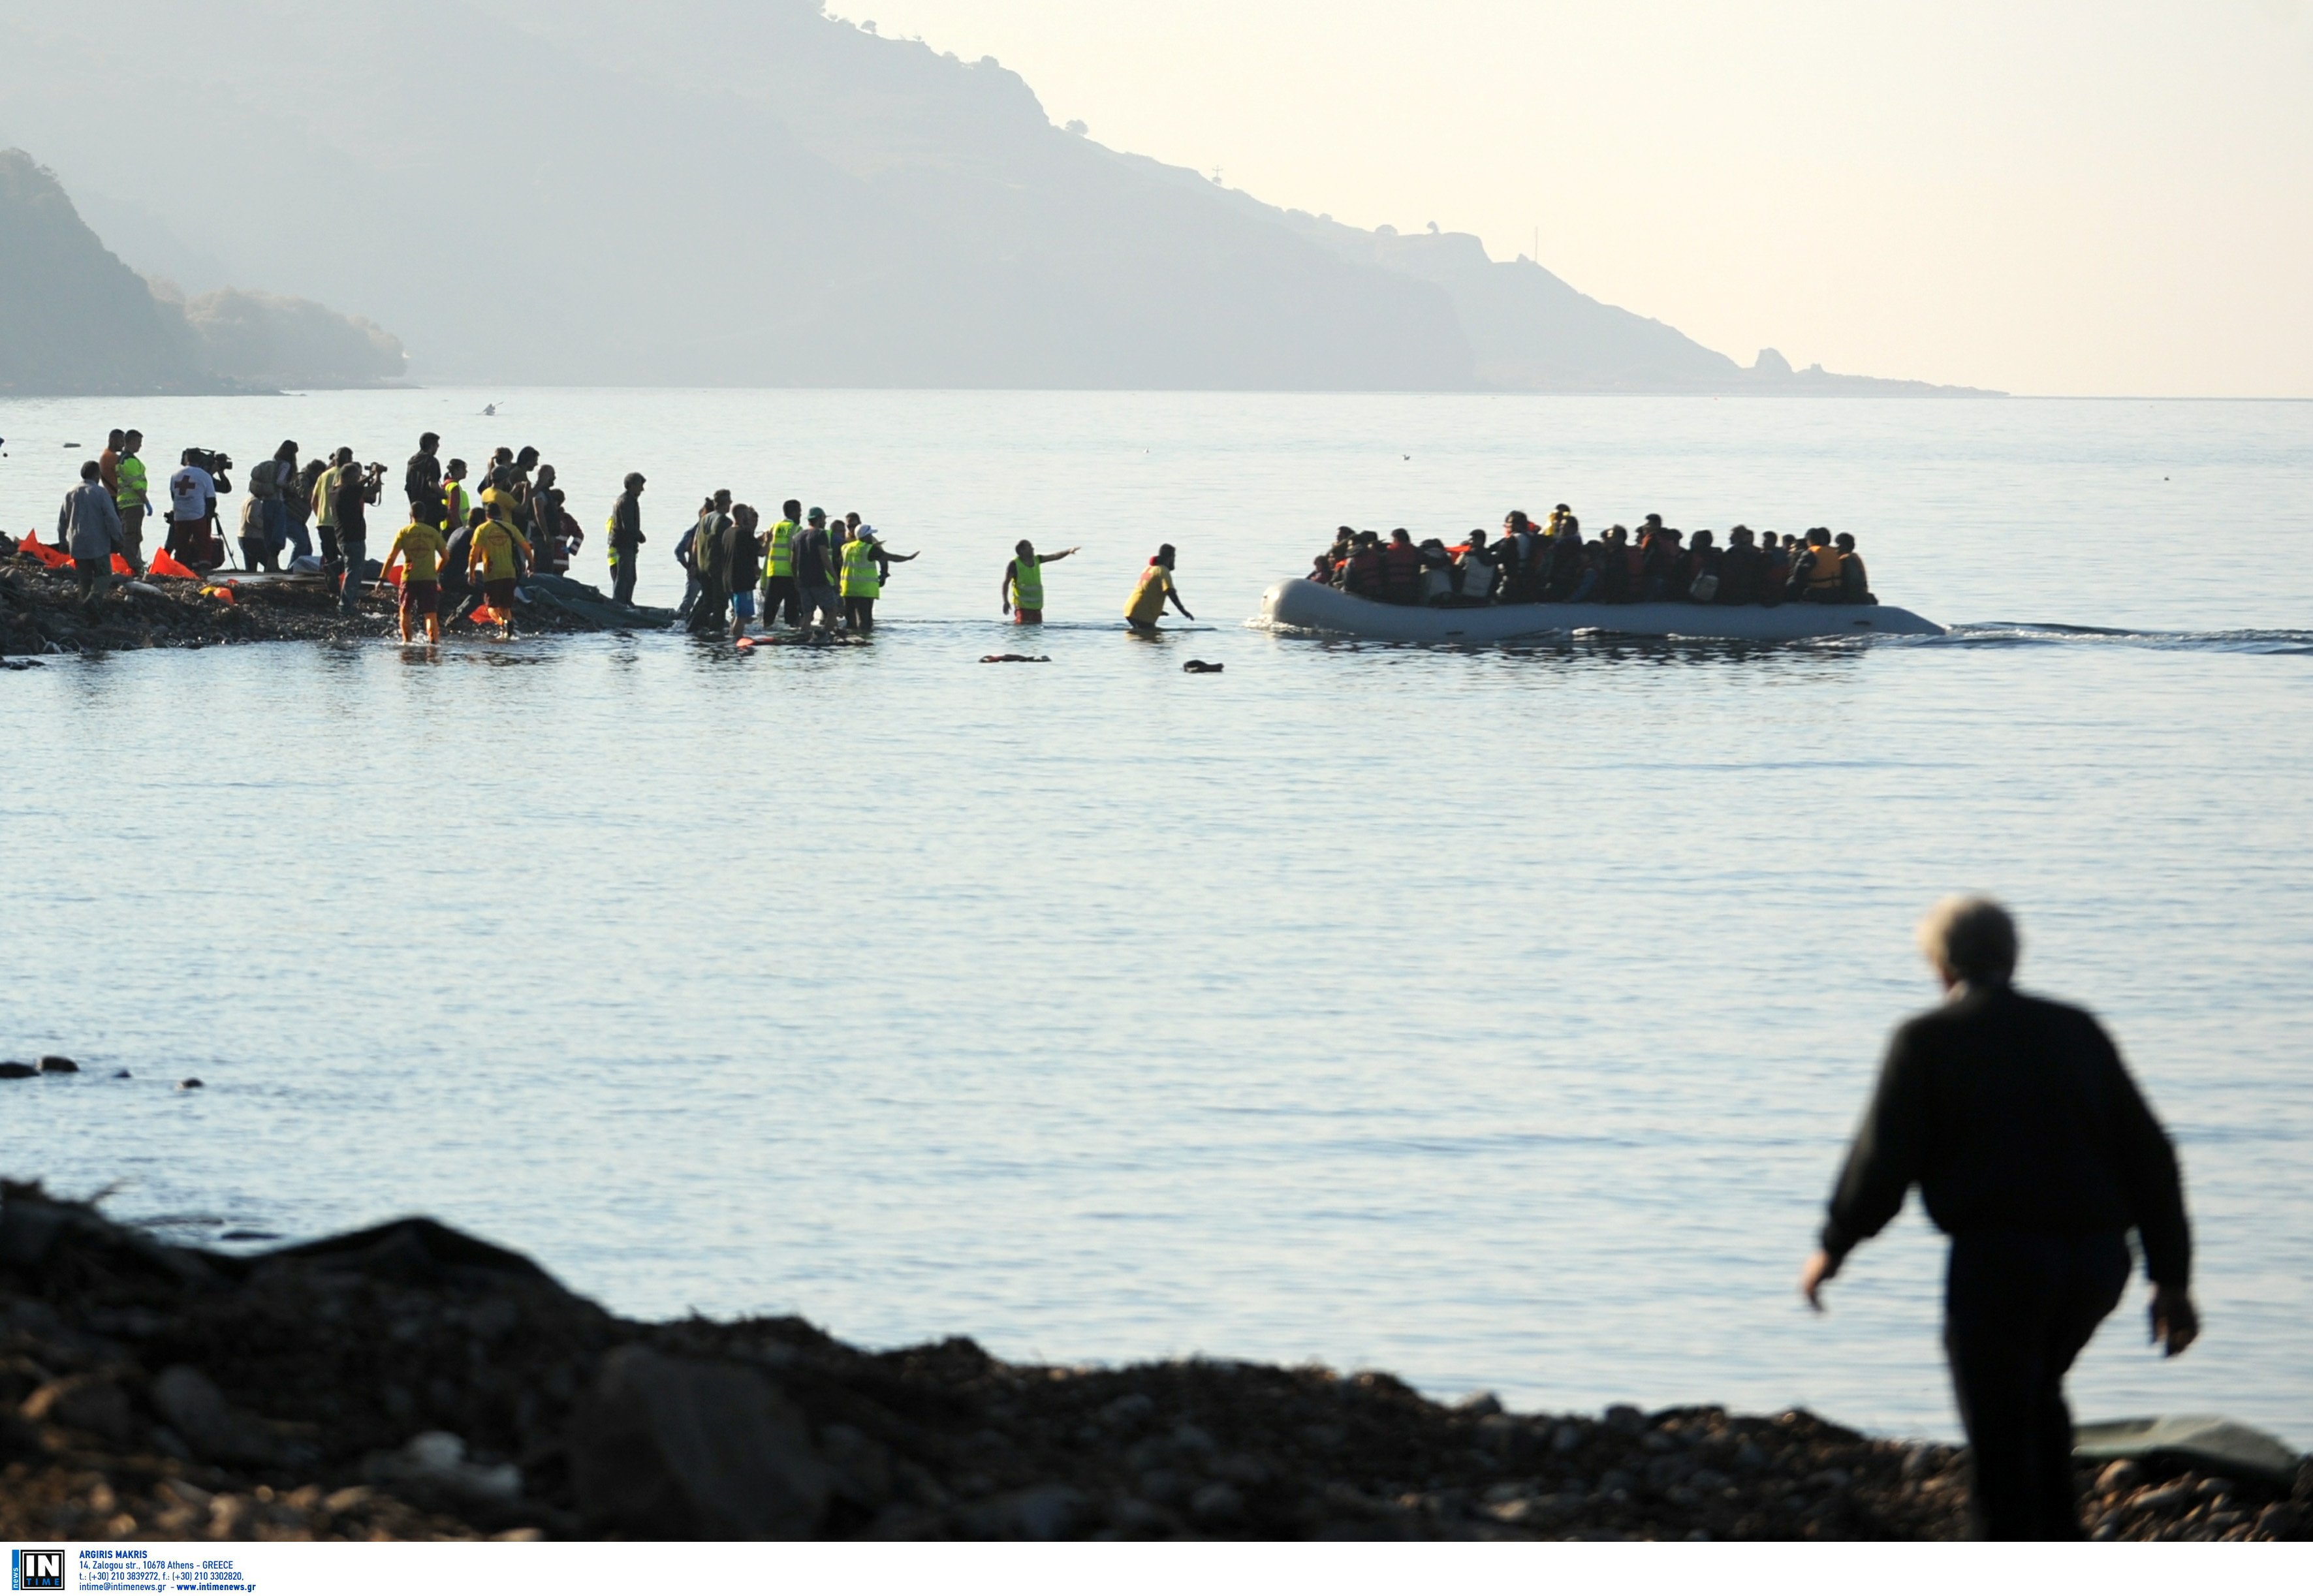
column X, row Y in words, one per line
column 493, row 554
column 419, row 548
column 1148, row 595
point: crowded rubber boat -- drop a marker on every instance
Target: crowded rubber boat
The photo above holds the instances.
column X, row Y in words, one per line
column 1537, row 579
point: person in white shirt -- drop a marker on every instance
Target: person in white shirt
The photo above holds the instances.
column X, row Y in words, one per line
column 192, row 516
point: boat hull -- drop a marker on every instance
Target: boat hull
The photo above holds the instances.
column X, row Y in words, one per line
column 1303, row 605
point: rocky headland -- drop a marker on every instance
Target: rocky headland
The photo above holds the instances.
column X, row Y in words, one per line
column 413, row 1382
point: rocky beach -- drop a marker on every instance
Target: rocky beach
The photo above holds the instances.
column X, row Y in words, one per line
column 412, row 1382
column 41, row 612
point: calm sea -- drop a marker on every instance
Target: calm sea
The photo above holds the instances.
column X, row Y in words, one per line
column 1495, row 1016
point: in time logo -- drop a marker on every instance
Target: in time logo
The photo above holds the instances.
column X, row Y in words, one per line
column 36, row 1571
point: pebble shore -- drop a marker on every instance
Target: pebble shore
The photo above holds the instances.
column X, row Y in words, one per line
column 415, row 1382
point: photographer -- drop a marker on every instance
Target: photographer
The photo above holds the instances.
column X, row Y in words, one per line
column 358, row 487
column 192, row 515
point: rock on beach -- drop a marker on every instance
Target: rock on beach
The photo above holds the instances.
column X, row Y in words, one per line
column 413, row 1382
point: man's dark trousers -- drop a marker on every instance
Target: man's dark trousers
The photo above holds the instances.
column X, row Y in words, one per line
column 2017, row 1308
column 95, row 578
column 622, row 579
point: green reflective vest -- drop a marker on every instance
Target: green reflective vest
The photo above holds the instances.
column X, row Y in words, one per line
column 1027, row 582
column 130, row 474
column 779, row 554
column 861, row 579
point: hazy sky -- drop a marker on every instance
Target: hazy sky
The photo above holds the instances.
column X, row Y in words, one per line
column 2047, row 198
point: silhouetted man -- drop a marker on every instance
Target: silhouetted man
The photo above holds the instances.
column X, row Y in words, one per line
column 2033, row 1152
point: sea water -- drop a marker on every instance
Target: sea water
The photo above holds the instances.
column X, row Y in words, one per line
column 1496, row 1016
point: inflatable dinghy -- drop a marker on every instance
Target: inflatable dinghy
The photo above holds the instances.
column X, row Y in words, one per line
column 1303, row 605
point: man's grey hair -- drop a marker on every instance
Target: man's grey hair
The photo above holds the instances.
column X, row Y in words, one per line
column 1972, row 938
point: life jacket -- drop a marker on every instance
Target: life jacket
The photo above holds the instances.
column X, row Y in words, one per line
column 1855, row 582
column 1363, row 572
column 1478, row 572
column 861, row 578
column 1147, row 604
column 1437, row 582
column 1027, row 583
column 1401, row 563
column 1823, row 576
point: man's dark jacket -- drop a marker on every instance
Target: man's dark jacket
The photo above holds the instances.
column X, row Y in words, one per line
column 2012, row 1113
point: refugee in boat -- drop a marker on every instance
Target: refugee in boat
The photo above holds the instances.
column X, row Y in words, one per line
column 1531, row 565
column 1401, row 569
column 1854, row 581
column 1475, row 571
column 1152, row 591
column 2035, row 1152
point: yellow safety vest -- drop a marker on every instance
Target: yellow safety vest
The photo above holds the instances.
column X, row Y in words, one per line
column 861, row 579
column 1823, row 576
column 779, row 554
column 130, row 474
column 1027, row 582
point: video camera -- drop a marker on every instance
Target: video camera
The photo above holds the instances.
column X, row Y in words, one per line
column 216, row 462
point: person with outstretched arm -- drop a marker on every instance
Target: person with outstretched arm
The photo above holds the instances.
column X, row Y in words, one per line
column 1022, row 592
column 1149, row 594
column 2033, row 1151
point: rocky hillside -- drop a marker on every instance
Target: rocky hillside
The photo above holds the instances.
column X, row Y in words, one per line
column 74, row 318
column 752, row 192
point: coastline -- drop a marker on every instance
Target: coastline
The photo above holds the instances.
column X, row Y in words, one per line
column 410, row 1382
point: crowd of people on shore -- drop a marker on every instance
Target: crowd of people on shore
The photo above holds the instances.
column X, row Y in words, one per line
column 1553, row 563
column 468, row 540
column 471, row 538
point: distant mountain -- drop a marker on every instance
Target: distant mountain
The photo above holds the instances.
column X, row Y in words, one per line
column 74, row 319
column 748, row 192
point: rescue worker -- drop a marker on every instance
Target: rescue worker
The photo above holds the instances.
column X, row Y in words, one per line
column 1151, row 592
column 497, row 551
column 622, row 535
column 861, row 583
column 456, row 503
column 780, row 594
column 130, row 499
column 1022, row 591
column 420, row 548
